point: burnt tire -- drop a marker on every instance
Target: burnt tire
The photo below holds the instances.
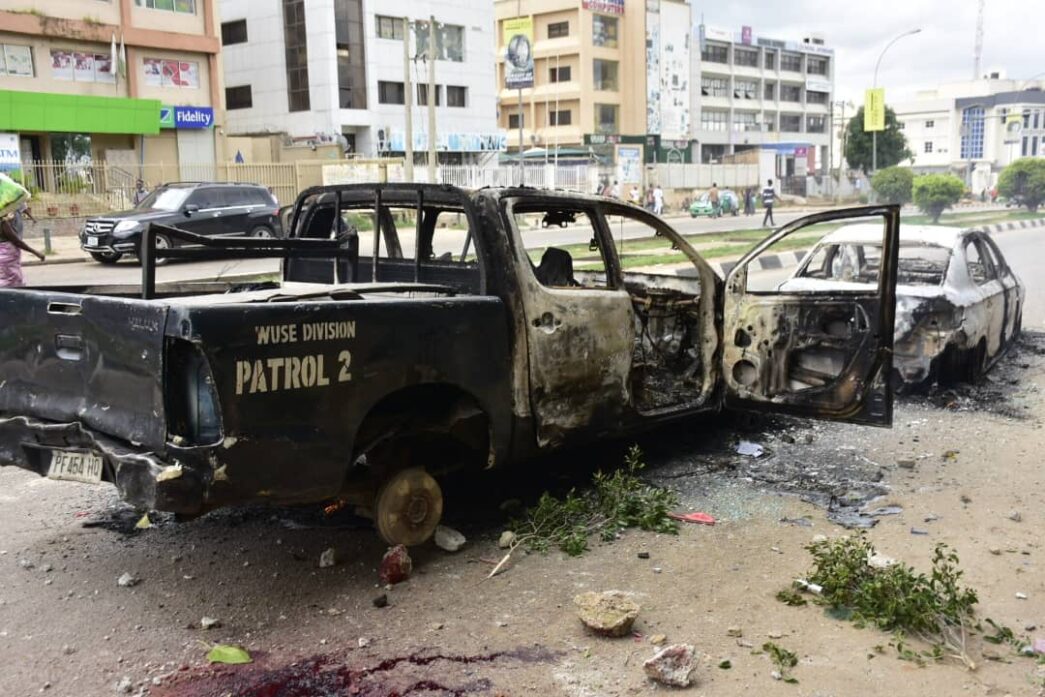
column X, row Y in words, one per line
column 106, row 257
column 408, row 507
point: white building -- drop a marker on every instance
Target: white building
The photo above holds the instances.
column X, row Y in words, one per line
column 761, row 93
column 323, row 70
column 974, row 128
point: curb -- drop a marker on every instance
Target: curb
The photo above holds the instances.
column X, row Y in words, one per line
column 1015, row 225
column 52, row 262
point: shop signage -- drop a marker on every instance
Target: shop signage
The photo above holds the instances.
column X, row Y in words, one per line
column 608, row 7
column 193, row 117
column 10, row 152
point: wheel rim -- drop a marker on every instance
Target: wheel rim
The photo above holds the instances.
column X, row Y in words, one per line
column 264, row 233
column 162, row 242
column 408, row 508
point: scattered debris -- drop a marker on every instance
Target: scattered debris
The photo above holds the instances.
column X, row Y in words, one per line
column 657, row 639
column 26, row 564
column 143, row 523
column 775, row 635
column 228, row 654
column 919, row 531
column 381, row 601
column 643, row 555
column 608, row 614
column 1021, row 596
column 507, row 540
column 884, row 511
column 124, row 686
column 749, row 449
column 814, row 588
column 396, row 565
column 725, row 664
column 880, row 561
column 328, row 558
column 1038, row 647
column 784, row 661
column 735, row 631
column 127, row 580
column 169, row 473
column 950, row 455
column 802, row 522
column 672, row 665
column 657, row 569
column 907, row 464
column 1015, row 516
column 363, row 642
column 448, row 539
column 209, row 622
column 700, row 518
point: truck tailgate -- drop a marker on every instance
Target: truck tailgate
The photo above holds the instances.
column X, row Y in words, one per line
column 97, row 360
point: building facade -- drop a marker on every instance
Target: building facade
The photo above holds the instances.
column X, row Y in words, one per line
column 974, row 128
column 126, row 82
column 332, row 71
column 757, row 92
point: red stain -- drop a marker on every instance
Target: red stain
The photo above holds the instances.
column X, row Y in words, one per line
column 327, row 676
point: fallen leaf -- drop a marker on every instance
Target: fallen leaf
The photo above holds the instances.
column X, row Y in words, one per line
column 232, row 655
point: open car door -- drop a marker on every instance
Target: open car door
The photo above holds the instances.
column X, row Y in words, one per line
column 822, row 350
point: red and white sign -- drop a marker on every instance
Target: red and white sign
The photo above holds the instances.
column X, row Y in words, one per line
column 608, row 7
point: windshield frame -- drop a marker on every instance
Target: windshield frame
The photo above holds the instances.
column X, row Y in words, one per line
column 167, row 193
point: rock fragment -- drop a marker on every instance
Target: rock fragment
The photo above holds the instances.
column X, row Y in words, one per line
column 396, row 565
column 608, row 614
column 672, row 665
column 448, row 539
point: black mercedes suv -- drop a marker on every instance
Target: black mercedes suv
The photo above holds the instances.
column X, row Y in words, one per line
column 205, row 208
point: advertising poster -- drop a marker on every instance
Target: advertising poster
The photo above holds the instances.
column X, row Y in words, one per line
column 607, row 7
column 518, row 57
column 10, row 152
column 874, row 110
column 190, row 74
column 629, row 164
column 19, row 60
column 153, row 72
column 83, row 67
column 61, row 65
column 103, row 69
column 171, row 71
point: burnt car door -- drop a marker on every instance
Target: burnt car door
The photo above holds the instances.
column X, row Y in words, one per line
column 824, row 353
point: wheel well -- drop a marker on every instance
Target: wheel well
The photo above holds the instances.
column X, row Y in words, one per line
column 446, row 421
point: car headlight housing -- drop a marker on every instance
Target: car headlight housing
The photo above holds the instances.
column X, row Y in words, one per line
column 125, row 226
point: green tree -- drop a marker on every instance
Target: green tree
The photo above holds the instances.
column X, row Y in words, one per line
column 934, row 193
column 892, row 146
column 1024, row 179
column 894, row 184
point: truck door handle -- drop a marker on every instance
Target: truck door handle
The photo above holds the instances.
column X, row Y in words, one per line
column 57, row 308
column 547, row 322
column 69, row 346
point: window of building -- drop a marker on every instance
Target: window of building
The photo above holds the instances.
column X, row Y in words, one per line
column 816, row 97
column 746, row 57
column 187, row 6
column 516, row 121
column 1023, row 147
column 456, row 96
column 391, row 92
column 560, row 74
column 557, row 30
column 389, row 27
column 86, row 67
column 745, row 121
column 1034, row 146
column 770, row 90
column 1035, row 122
column 715, row 53
column 604, row 75
column 351, row 56
column 712, row 120
column 714, row 86
column 238, row 97
column 791, row 123
column 17, row 60
column 769, row 123
column 791, row 61
column 901, row 125
column 295, row 36
column 1026, row 119
column 449, row 41
column 816, row 65
column 790, row 93
column 422, row 95
column 816, row 124
column 770, row 61
column 604, row 31
column 234, row 32
column 972, row 133
column 562, row 117
column 160, row 72
column 606, row 119
column 928, row 146
column 745, row 89
column 930, row 123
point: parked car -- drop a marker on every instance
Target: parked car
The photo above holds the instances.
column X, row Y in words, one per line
column 205, row 208
column 729, row 202
column 386, row 358
column 958, row 304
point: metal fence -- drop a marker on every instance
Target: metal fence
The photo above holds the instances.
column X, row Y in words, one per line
column 689, row 176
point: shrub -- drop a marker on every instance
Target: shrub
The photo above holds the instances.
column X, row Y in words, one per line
column 894, row 184
column 1024, row 181
column 935, row 193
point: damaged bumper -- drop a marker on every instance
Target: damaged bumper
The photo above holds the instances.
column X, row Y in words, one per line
column 144, row 479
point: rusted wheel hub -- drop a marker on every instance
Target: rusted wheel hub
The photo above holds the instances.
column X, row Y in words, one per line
column 408, row 508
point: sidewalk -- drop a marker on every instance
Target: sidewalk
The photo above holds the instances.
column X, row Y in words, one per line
column 64, row 249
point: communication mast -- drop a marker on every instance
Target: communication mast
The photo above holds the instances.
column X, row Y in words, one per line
column 978, row 50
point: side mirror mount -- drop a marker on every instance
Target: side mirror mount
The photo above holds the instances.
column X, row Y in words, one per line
column 190, row 209
column 593, row 245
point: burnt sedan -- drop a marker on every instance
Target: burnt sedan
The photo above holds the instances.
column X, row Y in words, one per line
column 958, row 304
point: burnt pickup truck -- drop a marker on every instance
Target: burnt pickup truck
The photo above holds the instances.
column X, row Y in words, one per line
column 418, row 330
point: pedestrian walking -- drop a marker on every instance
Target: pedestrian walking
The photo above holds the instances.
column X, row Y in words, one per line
column 749, row 200
column 658, row 200
column 635, row 195
column 11, row 248
column 615, row 191
column 713, row 197
column 768, row 198
column 650, row 203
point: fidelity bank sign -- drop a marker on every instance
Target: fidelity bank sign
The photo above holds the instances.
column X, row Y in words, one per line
column 186, row 117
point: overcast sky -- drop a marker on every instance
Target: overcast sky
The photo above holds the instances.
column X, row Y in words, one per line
column 858, row 31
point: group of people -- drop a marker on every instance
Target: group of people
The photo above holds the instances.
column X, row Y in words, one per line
column 652, row 199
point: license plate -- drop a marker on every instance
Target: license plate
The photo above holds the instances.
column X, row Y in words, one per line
column 75, row 466
column 92, row 241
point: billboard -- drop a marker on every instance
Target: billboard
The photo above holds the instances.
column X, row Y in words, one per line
column 667, row 71
column 606, row 7
column 629, row 164
column 10, row 152
column 518, row 52
column 874, row 109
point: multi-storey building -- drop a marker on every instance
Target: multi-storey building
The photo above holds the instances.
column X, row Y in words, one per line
column 758, row 92
column 333, row 71
column 974, row 128
column 120, row 81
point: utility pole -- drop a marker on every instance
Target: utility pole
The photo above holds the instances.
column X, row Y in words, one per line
column 431, row 101
column 408, row 99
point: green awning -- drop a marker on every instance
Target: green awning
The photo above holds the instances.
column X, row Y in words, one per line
column 72, row 113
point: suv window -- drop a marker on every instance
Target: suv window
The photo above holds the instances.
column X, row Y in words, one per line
column 206, row 198
column 257, row 197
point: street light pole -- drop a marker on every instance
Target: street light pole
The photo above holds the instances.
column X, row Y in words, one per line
column 874, row 134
